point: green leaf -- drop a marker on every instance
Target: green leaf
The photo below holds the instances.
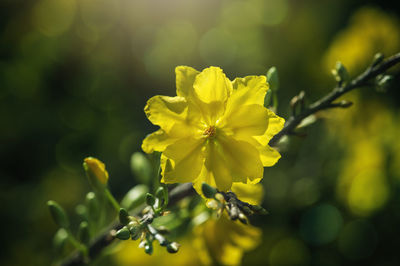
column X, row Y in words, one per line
column 135, row 197
column 141, row 167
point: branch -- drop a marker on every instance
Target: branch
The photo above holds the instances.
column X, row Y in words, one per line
column 185, row 190
column 107, row 238
column 326, row 102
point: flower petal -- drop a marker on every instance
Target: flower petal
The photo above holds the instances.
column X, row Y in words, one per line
column 249, row 90
column 211, row 85
column 243, row 160
column 275, row 124
column 183, row 161
column 185, row 77
column 157, row 141
column 252, row 194
column 246, row 121
column 164, row 111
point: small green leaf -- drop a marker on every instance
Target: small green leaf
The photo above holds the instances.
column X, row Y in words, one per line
column 135, row 197
column 141, row 167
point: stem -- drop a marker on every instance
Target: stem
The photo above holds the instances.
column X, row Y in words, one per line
column 326, row 102
column 113, row 201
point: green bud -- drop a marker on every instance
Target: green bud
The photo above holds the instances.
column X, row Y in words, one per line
column 83, row 233
column 81, row 210
column 150, row 200
column 208, row 191
column 96, row 173
column 58, row 214
column 123, row 233
column 162, row 195
column 124, row 216
column 340, row 73
column 60, row 238
column 141, row 167
column 135, row 197
column 93, row 206
column 378, row 58
column 148, row 248
column 273, row 79
column 258, row 209
column 268, row 98
column 135, row 230
column 383, row 82
column 243, row 218
column 173, row 247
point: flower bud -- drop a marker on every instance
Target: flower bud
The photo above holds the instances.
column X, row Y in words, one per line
column 208, row 191
column 123, row 233
column 93, row 206
column 124, row 216
column 83, row 233
column 135, row 230
column 173, row 247
column 96, row 173
column 58, row 214
column 340, row 72
column 60, row 238
column 148, row 248
column 378, row 58
column 273, row 79
column 150, row 200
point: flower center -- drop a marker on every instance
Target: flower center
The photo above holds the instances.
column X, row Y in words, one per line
column 210, row 132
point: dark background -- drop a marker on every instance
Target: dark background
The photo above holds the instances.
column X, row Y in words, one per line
column 75, row 76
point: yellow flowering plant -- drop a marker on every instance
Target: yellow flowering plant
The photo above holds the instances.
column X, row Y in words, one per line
column 214, row 131
column 215, row 136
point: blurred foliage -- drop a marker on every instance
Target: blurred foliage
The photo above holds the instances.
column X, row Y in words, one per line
column 75, row 76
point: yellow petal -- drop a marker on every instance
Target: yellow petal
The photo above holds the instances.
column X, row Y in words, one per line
column 183, row 161
column 242, row 159
column 217, row 166
column 211, row 85
column 164, row 111
column 275, row 124
column 252, row 194
column 157, row 141
column 246, row 121
column 249, row 90
column 185, row 77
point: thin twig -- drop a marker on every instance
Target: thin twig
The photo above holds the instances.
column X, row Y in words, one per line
column 326, row 102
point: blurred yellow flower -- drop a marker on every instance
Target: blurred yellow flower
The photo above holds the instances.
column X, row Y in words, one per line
column 215, row 131
column 224, row 241
column 370, row 31
column 363, row 182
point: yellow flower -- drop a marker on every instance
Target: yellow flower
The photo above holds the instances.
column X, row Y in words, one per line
column 214, row 131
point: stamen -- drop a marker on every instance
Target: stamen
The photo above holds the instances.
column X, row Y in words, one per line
column 210, row 132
